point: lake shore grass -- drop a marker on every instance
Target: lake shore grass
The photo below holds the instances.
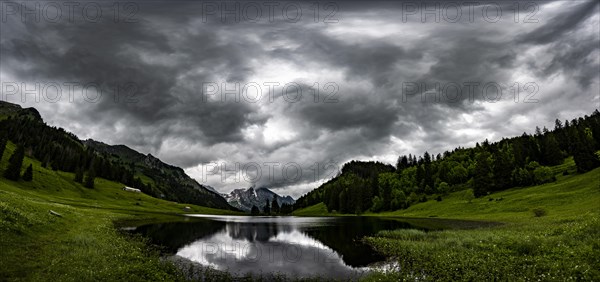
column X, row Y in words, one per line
column 81, row 244
column 54, row 229
column 549, row 232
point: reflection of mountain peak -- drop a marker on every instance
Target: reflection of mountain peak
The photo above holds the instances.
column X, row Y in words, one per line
column 262, row 232
column 244, row 199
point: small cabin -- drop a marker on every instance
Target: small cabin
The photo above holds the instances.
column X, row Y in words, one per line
column 129, row 189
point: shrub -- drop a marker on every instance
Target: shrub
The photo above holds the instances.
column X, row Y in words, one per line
column 539, row 212
column 469, row 195
column 543, row 174
column 444, row 188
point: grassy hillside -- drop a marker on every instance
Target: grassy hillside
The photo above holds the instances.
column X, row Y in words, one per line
column 63, row 151
column 83, row 243
column 569, row 195
column 314, row 210
column 549, row 232
column 572, row 195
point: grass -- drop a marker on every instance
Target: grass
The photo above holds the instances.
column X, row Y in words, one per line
column 548, row 232
column 551, row 232
column 569, row 197
column 315, row 210
column 546, row 251
column 82, row 244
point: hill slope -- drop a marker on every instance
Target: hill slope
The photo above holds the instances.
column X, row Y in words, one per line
column 63, row 151
column 489, row 167
column 569, row 195
column 81, row 244
column 549, row 232
column 154, row 171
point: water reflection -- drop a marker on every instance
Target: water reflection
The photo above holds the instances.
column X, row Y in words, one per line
column 296, row 247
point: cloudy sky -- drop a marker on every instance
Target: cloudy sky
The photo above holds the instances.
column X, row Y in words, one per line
column 286, row 92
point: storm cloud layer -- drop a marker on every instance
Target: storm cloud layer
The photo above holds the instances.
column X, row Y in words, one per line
column 281, row 94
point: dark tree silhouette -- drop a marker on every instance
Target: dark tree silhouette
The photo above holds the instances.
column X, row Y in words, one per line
column 503, row 165
column 28, row 175
column 79, row 175
column 482, row 181
column 13, row 172
column 552, row 153
column 90, row 178
column 275, row 206
column 2, row 147
column 254, row 211
column 267, row 209
column 584, row 154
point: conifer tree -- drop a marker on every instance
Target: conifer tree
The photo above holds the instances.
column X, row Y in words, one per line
column 275, row 205
column 2, row 147
column 552, row 152
column 503, row 165
column 28, row 175
column 79, row 175
column 482, row 180
column 583, row 153
column 90, row 178
column 267, row 209
column 13, row 172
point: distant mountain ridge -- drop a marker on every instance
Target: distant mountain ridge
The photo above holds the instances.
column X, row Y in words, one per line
column 244, row 199
column 157, row 170
column 62, row 150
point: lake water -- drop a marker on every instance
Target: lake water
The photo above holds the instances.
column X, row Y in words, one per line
column 328, row 247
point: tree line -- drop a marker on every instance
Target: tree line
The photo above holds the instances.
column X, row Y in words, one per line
column 272, row 207
column 15, row 162
column 60, row 150
column 487, row 168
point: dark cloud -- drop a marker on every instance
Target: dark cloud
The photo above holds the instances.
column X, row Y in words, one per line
column 121, row 57
column 556, row 27
column 170, row 51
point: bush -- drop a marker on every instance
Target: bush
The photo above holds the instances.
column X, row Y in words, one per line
column 444, row 188
column 377, row 204
column 539, row 212
column 543, row 174
column 413, row 198
column 469, row 195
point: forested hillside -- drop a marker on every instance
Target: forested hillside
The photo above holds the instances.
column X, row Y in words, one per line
column 488, row 167
column 63, row 151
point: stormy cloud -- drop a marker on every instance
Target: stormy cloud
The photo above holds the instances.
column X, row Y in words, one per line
column 217, row 92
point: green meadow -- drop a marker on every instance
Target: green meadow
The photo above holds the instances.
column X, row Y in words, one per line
column 81, row 244
column 548, row 232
